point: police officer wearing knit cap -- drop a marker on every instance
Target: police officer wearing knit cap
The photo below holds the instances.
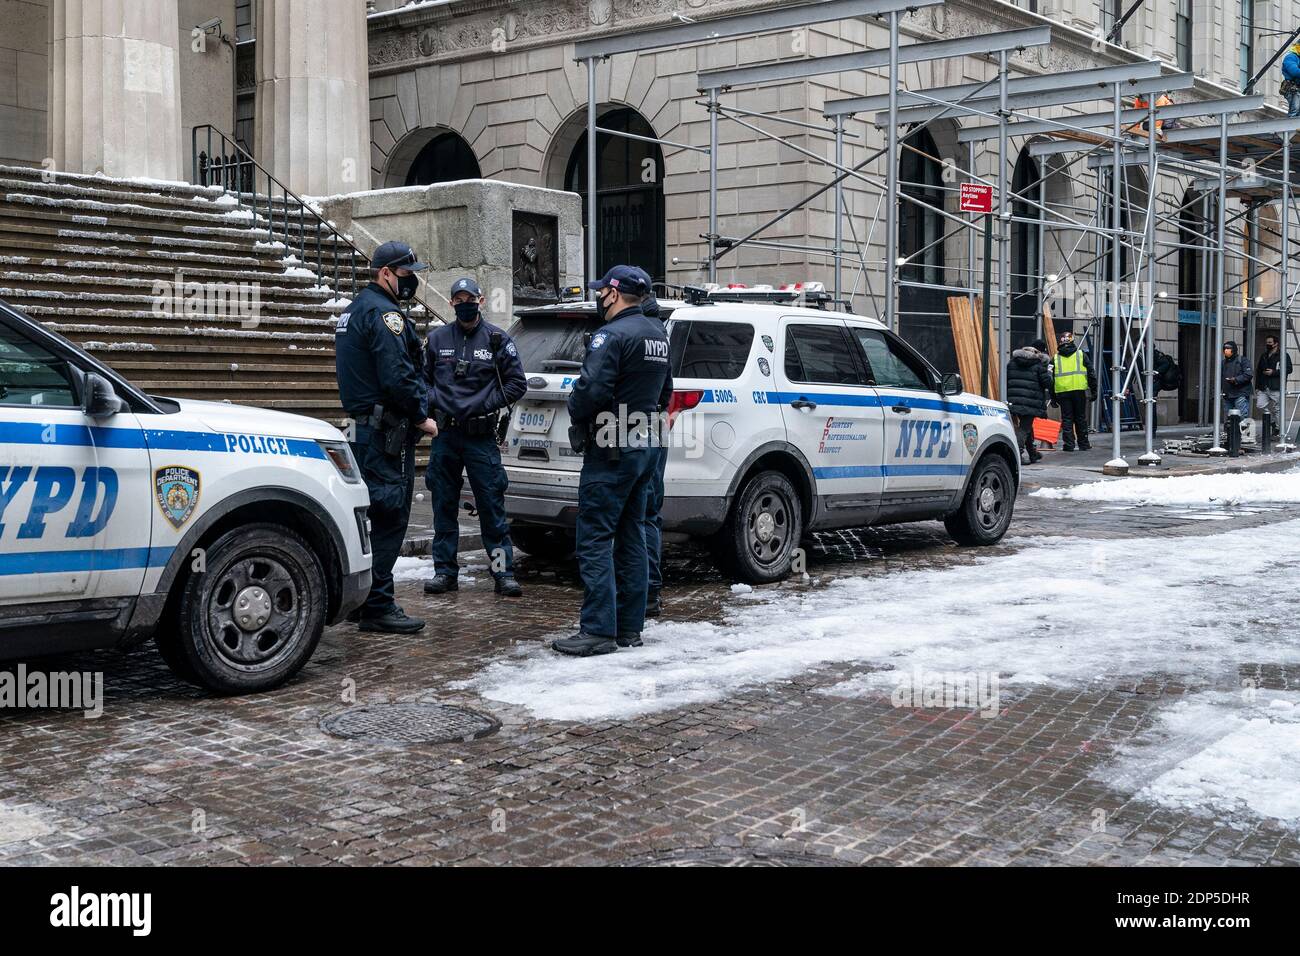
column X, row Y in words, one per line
column 654, row 502
column 613, row 406
column 377, row 357
column 473, row 373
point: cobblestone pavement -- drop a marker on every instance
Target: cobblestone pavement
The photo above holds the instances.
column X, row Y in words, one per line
column 778, row 774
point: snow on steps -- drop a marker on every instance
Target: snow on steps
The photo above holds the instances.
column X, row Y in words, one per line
column 82, row 254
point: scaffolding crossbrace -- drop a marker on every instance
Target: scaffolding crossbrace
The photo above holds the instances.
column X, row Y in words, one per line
column 1248, row 161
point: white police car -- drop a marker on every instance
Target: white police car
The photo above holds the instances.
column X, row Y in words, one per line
column 788, row 419
column 230, row 534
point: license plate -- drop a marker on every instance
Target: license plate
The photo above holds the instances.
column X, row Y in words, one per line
column 534, row 419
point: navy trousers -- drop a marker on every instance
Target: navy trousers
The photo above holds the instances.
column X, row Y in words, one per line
column 654, row 522
column 390, row 480
column 452, row 454
column 611, row 541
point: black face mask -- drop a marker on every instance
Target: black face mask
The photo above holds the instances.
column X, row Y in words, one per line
column 602, row 310
column 407, row 286
column 466, row 312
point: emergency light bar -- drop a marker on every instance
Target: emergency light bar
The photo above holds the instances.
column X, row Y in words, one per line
column 813, row 294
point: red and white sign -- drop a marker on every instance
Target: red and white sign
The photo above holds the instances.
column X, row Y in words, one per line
column 976, row 197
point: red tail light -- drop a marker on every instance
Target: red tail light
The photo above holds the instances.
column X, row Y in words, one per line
column 683, row 402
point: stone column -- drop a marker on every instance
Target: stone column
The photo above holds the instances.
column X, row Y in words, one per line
column 313, row 94
column 114, row 88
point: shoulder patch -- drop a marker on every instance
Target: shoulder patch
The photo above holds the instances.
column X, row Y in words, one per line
column 395, row 322
column 511, row 350
column 598, row 340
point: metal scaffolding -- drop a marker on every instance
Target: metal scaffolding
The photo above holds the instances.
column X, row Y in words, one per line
column 1245, row 161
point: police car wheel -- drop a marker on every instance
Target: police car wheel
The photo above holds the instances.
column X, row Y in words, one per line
column 553, row 544
column 253, row 618
column 762, row 531
column 985, row 511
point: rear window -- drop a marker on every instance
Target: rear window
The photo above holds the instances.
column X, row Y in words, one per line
column 717, row 350
column 553, row 343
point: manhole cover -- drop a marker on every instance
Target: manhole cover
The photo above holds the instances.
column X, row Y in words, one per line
column 409, row 724
column 736, row 857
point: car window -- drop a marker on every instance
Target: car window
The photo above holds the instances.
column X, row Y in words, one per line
column 32, row 375
column 820, row 354
column 891, row 365
column 553, row 343
column 717, row 350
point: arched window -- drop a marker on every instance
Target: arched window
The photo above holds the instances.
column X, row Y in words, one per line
column 1026, row 249
column 923, row 312
column 444, row 159
column 629, row 193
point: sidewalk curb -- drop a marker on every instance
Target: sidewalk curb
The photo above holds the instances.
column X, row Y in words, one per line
column 419, row 545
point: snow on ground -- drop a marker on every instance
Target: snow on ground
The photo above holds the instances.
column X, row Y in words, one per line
column 1227, row 752
column 421, row 569
column 1030, row 616
column 1220, row 489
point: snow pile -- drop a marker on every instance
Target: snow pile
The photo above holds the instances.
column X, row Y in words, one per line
column 421, row 569
column 1024, row 616
column 1223, row 751
column 1186, row 490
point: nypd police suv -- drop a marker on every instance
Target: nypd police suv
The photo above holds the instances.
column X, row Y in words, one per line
column 232, row 535
column 785, row 419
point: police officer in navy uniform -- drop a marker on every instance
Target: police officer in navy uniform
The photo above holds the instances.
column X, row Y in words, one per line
column 473, row 372
column 613, row 407
column 378, row 358
column 654, row 502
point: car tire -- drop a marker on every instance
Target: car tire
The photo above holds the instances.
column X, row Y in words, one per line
column 764, row 527
column 985, row 512
column 253, row 618
column 552, row 544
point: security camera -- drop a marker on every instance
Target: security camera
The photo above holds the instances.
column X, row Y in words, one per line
column 211, row 27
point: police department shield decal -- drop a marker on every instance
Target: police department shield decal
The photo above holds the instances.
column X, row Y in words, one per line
column 176, row 489
column 970, row 435
column 395, row 322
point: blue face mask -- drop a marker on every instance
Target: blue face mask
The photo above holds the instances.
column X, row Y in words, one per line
column 466, row 312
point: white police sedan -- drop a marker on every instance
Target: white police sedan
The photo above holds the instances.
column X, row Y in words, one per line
column 231, row 535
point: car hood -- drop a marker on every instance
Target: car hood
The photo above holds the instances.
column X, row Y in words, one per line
column 224, row 417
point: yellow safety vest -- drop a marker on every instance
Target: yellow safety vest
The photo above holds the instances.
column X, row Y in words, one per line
column 1070, row 374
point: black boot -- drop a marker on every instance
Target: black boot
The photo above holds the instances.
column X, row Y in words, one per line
column 394, row 622
column 508, row 586
column 628, row 640
column 354, row 616
column 584, row 645
column 441, row 584
column 653, row 606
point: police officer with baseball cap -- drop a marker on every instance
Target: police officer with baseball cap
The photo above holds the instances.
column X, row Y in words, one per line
column 654, row 502
column 473, row 373
column 378, row 358
column 623, row 383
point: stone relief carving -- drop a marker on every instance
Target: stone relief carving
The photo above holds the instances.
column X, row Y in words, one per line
column 535, row 265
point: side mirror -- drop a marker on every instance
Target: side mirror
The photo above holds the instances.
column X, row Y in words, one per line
column 950, row 384
column 98, row 400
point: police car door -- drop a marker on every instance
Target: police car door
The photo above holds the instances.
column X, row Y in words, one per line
column 74, row 518
column 925, row 457
column 832, row 416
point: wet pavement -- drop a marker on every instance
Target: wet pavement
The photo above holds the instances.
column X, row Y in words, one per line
column 782, row 773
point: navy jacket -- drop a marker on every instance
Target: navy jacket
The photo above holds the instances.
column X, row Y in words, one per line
column 377, row 357
column 478, row 391
column 626, row 366
column 1237, row 375
column 1029, row 382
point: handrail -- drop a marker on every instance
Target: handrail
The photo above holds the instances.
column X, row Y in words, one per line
column 234, row 170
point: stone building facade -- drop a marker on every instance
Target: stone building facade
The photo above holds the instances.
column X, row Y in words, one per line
column 489, row 88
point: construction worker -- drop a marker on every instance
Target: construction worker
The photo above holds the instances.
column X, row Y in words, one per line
column 1141, row 103
column 1071, row 383
column 1291, row 80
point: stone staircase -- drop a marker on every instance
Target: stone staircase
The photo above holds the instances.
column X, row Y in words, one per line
column 97, row 260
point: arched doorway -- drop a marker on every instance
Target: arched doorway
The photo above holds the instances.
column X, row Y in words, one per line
column 1191, row 312
column 629, row 193
column 431, row 155
column 1026, row 249
column 922, row 311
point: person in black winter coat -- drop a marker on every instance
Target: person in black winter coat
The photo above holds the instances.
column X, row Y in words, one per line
column 1029, row 387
